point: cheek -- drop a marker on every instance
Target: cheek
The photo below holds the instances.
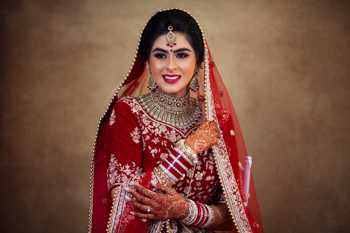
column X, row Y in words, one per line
column 189, row 69
column 156, row 64
column 155, row 67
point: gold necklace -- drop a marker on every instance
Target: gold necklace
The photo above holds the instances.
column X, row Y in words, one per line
column 181, row 112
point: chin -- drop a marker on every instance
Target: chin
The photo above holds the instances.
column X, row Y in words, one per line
column 170, row 92
column 173, row 91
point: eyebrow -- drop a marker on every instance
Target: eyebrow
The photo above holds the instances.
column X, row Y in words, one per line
column 175, row 51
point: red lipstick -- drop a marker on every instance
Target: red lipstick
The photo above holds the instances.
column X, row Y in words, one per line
column 171, row 78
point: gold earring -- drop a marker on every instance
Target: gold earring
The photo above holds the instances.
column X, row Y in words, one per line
column 194, row 83
column 152, row 85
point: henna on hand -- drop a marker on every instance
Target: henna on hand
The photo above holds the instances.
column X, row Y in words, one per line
column 166, row 205
column 206, row 136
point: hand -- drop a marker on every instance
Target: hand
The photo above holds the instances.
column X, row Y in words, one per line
column 206, row 136
column 170, row 205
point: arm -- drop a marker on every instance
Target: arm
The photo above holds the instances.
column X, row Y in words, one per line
column 123, row 152
column 184, row 156
column 123, row 148
column 171, row 205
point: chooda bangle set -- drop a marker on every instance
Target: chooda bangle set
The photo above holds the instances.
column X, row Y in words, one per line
column 172, row 169
column 175, row 166
column 199, row 215
column 187, row 150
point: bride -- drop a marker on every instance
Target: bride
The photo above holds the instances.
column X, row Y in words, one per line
column 169, row 152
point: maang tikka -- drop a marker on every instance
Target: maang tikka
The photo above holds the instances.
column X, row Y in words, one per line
column 170, row 37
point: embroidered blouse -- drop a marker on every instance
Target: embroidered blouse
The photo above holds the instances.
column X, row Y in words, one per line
column 139, row 143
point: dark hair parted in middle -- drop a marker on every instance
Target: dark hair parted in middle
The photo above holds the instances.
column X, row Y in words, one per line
column 181, row 21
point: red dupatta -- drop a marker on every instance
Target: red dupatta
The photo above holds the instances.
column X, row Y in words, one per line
column 229, row 154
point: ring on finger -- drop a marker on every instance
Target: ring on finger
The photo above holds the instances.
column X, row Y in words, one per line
column 148, row 209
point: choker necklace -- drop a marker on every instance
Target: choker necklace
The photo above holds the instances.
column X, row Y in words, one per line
column 180, row 112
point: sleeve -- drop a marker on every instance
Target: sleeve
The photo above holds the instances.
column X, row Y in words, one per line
column 123, row 146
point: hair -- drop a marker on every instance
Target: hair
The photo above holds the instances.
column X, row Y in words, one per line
column 181, row 21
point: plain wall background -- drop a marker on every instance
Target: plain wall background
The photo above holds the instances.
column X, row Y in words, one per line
column 285, row 64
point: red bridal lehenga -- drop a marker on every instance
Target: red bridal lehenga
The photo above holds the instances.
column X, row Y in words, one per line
column 130, row 143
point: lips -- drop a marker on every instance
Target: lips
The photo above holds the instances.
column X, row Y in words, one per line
column 171, row 78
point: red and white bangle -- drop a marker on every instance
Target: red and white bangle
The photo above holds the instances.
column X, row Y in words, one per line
column 184, row 155
column 178, row 161
column 162, row 176
column 192, row 213
column 174, row 167
column 168, row 172
column 211, row 217
column 199, row 215
column 187, row 150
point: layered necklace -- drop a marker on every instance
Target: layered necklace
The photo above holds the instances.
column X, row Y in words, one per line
column 180, row 112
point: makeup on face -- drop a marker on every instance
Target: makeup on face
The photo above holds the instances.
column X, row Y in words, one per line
column 172, row 67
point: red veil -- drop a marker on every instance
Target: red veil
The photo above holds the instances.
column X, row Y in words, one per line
column 230, row 153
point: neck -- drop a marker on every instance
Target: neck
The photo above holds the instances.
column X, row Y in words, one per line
column 181, row 112
column 178, row 95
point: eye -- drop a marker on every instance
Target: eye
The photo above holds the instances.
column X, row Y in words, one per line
column 159, row 55
column 181, row 55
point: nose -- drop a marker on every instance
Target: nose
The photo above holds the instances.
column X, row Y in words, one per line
column 171, row 66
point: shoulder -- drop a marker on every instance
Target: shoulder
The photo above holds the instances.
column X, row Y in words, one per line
column 126, row 100
column 124, row 109
column 127, row 104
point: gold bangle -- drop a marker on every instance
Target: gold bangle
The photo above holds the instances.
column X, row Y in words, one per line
column 188, row 152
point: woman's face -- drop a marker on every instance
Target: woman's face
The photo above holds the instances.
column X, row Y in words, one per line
column 172, row 67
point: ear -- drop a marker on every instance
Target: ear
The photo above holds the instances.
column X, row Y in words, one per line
column 148, row 67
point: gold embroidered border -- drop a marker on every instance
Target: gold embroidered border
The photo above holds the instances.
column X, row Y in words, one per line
column 155, row 226
column 225, row 172
column 113, row 214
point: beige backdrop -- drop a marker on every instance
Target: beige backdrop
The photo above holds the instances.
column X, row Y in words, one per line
column 285, row 64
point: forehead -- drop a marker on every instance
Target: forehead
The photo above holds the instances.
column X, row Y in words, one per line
column 181, row 41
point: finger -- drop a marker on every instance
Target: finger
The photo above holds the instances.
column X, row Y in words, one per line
column 206, row 124
column 139, row 197
column 216, row 135
column 214, row 126
column 141, row 215
column 214, row 129
column 146, row 192
column 163, row 188
column 138, row 205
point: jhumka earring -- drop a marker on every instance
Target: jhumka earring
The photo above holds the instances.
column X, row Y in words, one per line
column 194, row 83
column 152, row 85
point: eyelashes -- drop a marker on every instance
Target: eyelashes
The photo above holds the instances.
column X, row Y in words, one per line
column 181, row 55
column 160, row 55
column 178, row 55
